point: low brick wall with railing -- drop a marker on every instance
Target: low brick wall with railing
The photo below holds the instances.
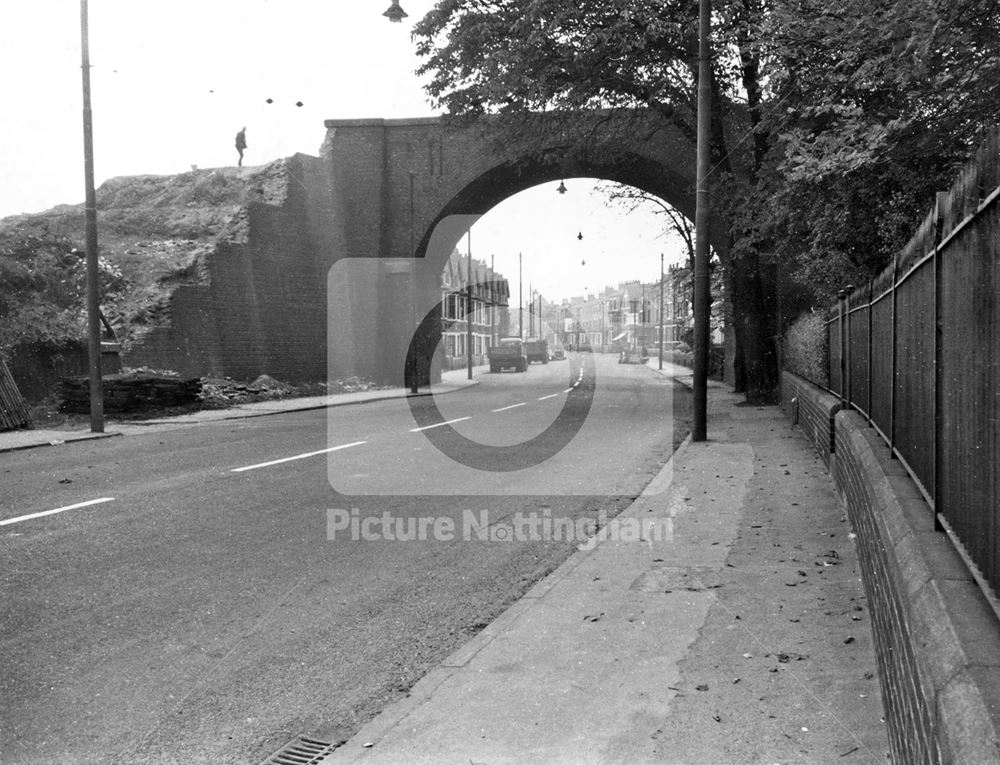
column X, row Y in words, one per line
column 814, row 413
column 937, row 639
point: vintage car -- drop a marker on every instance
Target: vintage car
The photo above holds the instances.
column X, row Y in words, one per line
column 536, row 349
column 509, row 353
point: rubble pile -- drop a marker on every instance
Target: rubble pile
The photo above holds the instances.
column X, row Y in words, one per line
column 133, row 391
column 351, row 385
column 220, row 392
column 152, row 390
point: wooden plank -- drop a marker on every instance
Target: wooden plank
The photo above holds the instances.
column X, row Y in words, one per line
column 14, row 411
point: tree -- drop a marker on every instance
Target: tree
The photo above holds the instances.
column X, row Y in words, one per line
column 847, row 116
column 517, row 57
column 881, row 102
column 680, row 226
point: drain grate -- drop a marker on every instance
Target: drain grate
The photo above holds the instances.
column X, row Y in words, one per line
column 301, row 751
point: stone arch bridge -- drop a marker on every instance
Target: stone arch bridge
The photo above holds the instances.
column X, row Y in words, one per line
column 404, row 192
column 342, row 254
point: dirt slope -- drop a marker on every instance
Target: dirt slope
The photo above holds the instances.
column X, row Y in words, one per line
column 155, row 234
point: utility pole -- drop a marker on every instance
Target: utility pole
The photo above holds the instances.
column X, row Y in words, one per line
column 520, row 298
column 531, row 310
column 643, row 319
column 661, row 312
column 90, row 223
column 495, row 284
column 604, row 334
column 470, row 313
column 699, row 430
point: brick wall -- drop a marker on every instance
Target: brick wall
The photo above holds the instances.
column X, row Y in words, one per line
column 812, row 409
column 264, row 310
column 937, row 641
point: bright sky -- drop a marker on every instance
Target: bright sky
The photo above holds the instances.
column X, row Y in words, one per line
column 172, row 82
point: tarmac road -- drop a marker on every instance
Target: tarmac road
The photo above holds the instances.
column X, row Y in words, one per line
column 187, row 604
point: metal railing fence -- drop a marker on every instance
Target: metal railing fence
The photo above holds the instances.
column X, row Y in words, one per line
column 917, row 352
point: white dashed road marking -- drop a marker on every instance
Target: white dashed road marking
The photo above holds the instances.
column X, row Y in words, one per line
column 438, row 424
column 505, row 408
column 297, row 457
column 57, row 510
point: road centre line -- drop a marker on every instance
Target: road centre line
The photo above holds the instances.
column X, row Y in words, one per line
column 88, row 503
column 570, row 389
column 297, row 457
column 551, row 395
column 439, row 424
column 512, row 406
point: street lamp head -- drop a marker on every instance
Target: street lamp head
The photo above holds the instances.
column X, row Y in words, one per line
column 394, row 13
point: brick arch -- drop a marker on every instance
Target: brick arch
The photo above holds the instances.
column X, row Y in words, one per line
column 404, row 192
column 499, row 183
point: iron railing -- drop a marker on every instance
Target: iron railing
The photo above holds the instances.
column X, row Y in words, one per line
column 916, row 351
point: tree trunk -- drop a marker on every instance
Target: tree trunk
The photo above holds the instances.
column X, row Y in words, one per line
column 754, row 302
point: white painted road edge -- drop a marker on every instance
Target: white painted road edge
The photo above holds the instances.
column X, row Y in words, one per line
column 88, row 503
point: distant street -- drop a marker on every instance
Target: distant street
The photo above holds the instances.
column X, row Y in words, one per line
column 190, row 607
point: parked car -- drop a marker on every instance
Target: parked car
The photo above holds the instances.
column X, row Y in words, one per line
column 633, row 356
column 557, row 354
column 536, row 349
column 509, row 353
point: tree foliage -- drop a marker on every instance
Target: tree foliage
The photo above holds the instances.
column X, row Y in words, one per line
column 833, row 123
column 43, row 289
column 880, row 102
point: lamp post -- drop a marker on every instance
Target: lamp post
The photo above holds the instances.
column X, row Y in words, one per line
column 661, row 327
column 701, row 222
column 470, row 314
column 493, row 305
column 541, row 333
column 394, row 13
column 604, row 331
column 520, row 298
column 531, row 311
column 90, row 223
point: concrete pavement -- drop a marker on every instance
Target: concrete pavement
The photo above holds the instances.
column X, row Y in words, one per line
column 732, row 628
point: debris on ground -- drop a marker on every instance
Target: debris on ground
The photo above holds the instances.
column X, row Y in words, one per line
column 144, row 393
column 131, row 391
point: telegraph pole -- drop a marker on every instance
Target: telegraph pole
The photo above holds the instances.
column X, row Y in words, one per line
column 469, row 314
column 90, row 224
column 661, row 312
column 520, row 298
column 699, row 430
column 531, row 310
column 643, row 318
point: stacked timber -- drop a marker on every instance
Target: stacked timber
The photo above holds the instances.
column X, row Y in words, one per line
column 130, row 392
column 14, row 412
